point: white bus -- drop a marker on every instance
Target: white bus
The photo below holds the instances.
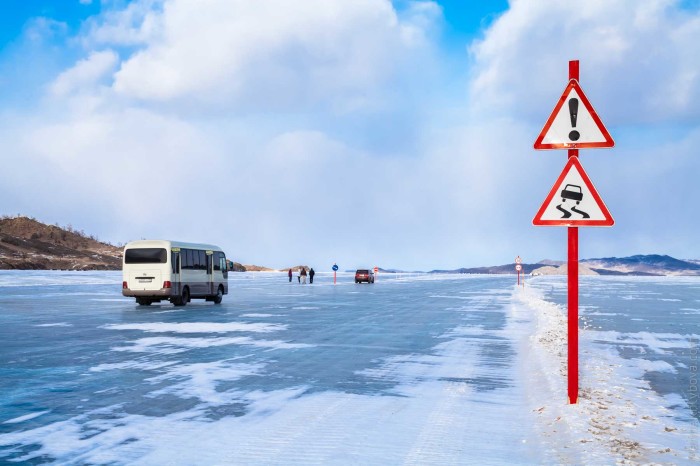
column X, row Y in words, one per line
column 154, row 270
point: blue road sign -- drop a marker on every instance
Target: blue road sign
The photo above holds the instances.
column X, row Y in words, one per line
column 335, row 267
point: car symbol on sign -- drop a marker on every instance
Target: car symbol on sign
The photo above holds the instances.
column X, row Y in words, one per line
column 573, row 192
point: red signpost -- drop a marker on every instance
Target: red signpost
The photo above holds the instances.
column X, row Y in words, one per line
column 572, row 266
column 571, row 127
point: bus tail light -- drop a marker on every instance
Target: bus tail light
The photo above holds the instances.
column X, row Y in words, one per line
column 167, row 284
column 125, row 286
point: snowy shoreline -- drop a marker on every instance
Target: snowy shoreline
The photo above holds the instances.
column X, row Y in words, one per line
column 618, row 415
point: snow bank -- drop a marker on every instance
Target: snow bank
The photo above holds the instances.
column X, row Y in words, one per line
column 618, row 418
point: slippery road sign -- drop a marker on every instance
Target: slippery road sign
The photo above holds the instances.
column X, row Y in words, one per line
column 573, row 124
column 573, row 201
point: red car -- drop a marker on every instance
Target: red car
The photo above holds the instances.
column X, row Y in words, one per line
column 364, row 275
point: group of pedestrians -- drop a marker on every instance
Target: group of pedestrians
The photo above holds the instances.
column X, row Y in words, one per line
column 302, row 275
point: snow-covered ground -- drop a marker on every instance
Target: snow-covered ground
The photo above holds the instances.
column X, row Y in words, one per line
column 416, row 369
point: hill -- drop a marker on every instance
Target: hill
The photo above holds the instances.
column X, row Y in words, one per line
column 493, row 269
column 639, row 265
column 652, row 264
column 28, row 244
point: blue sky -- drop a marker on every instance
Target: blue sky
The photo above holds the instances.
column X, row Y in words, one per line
column 364, row 133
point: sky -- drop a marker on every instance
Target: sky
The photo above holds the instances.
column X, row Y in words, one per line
column 364, row 133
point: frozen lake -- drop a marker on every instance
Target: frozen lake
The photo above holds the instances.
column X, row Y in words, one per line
column 416, row 369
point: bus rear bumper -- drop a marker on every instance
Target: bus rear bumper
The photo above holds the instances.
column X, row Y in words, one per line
column 162, row 293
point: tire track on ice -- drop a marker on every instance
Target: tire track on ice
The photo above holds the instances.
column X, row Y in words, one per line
column 436, row 441
column 280, row 444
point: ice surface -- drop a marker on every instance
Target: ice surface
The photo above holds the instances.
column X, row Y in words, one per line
column 415, row 369
column 199, row 327
column 26, row 417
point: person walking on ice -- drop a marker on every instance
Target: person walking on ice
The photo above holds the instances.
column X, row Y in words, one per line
column 311, row 275
column 290, row 275
column 302, row 274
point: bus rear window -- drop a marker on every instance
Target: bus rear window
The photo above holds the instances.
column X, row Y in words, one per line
column 146, row 256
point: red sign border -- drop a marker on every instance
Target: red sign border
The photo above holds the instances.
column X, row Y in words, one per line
column 608, row 143
column 607, row 222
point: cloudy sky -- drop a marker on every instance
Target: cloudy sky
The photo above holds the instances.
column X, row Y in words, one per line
column 363, row 132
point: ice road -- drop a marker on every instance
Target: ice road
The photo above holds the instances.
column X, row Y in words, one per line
column 415, row 369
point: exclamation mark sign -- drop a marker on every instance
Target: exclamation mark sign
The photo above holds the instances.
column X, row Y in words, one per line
column 573, row 114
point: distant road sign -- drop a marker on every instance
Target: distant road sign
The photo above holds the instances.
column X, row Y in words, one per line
column 376, row 269
column 335, row 267
column 573, row 201
column 518, row 267
column 573, row 124
column 518, row 260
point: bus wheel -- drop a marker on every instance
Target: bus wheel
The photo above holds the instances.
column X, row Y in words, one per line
column 219, row 295
column 183, row 299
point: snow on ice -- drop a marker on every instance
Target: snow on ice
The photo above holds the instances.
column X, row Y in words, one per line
column 415, row 369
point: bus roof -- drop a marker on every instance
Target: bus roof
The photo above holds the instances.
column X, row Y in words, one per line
column 168, row 244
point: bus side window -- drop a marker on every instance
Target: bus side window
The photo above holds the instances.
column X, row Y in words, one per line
column 217, row 261
column 202, row 260
column 175, row 259
column 222, row 260
column 187, row 264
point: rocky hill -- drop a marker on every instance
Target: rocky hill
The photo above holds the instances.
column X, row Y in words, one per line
column 652, row 264
column 256, row 268
column 640, row 265
column 493, row 269
column 28, row 244
column 31, row 245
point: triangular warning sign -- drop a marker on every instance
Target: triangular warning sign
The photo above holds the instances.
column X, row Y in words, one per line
column 573, row 124
column 573, row 201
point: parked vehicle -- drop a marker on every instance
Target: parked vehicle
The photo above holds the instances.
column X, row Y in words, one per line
column 364, row 275
column 156, row 270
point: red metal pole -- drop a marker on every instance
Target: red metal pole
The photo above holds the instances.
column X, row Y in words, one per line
column 573, row 314
column 572, row 265
column 573, row 69
column 334, row 277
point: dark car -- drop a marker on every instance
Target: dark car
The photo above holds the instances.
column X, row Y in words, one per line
column 364, row 275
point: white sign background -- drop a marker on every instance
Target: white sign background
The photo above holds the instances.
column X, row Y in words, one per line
column 558, row 133
column 588, row 204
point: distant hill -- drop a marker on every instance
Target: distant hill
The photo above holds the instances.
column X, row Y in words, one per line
column 28, row 244
column 652, row 264
column 493, row 269
column 255, row 268
column 639, row 265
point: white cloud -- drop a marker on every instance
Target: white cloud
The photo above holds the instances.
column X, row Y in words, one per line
column 134, row 25
column 639, row 59
column 85, row 74
column 41, row 29
column 317, row 131
column 271, row 54
column 639, row 63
